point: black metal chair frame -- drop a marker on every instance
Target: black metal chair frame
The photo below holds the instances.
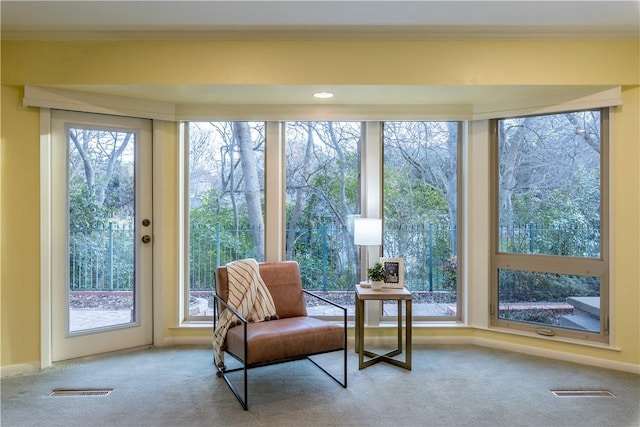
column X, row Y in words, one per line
column 223, row 371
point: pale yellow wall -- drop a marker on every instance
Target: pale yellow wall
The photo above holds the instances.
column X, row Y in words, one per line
column 215, row 62
column 312, row 62
column 20, row 230
column 625, row 173
column 166, row 216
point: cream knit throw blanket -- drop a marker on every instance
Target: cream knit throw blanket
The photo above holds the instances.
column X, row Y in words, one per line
column 249, row 296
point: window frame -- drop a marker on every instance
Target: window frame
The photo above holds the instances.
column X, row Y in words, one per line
column 596, row 267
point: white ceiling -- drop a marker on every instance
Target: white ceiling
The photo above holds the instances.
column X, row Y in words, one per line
column 322, row 19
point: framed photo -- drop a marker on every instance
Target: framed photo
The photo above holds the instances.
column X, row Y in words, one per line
column 395, row 272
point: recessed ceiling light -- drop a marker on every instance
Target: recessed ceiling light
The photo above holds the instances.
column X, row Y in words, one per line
column 323, row 95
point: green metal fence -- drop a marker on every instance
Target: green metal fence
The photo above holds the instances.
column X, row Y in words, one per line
column 102, row 258
column 579, row 240
column 329, row 262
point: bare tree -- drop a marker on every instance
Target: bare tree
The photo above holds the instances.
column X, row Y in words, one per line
column 99, row 150
column 450, row 177
column 541, row 155
column 322, row 168
column 252, row 192
column 423, row 154
column 512, row 136
column 300, row 192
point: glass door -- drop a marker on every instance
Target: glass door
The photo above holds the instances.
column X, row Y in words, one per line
column 102, row 234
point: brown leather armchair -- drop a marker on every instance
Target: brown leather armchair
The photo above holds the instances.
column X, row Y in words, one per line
column 293, row 336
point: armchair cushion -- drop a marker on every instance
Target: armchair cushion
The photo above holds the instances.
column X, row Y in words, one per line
column 283, row 339
column 283, row 281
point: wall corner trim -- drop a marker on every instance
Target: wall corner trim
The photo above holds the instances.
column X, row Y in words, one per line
column 87, row 102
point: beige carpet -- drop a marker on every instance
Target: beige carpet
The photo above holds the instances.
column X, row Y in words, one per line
column 448, row 386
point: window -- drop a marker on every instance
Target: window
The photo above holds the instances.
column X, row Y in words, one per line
column 226, row 203
column 549, row 268
column 322, row 184
column 322, row 195
column 421, row 211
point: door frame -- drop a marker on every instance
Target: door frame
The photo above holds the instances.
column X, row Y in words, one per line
column 46, row 230
column 46, row 242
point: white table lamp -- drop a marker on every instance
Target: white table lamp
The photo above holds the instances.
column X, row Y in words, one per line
column 367, row 232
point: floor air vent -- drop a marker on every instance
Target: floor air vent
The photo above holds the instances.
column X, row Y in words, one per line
column 583, row 393
column 81, row 392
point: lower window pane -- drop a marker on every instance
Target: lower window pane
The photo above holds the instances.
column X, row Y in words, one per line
column 558, row 300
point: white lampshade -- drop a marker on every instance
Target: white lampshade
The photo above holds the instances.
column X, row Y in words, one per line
column 367, row 231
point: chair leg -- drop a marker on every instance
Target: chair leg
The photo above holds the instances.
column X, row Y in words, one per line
column 222, row 372
column 343, row 383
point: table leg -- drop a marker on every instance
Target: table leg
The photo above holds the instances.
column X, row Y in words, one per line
column 399, row 326
column 357, row 326
column 409, row 322
column 360, row 328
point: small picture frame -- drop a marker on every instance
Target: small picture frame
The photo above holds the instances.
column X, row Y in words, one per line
column 395, row 272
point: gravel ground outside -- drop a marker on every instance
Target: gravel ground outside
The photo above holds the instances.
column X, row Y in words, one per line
column 120, row 300
column 104, row 300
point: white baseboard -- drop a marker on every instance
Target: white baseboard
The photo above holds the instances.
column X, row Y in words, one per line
column 185, row 341
column 516, row 348
column 558, row 355
column 386, row 341
column 20, row 368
